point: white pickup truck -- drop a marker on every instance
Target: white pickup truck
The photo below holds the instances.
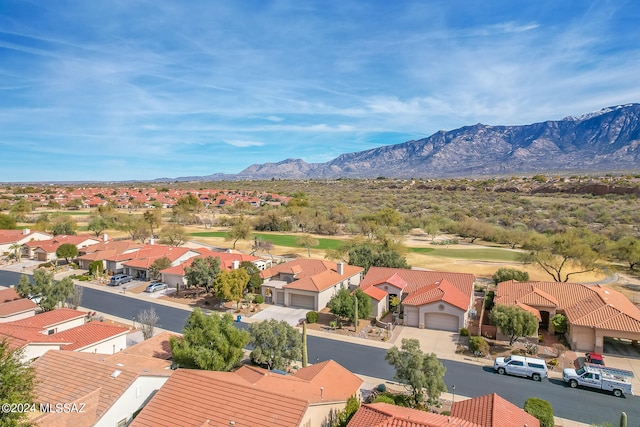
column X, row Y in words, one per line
column 617, row 381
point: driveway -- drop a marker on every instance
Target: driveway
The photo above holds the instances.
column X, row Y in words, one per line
column 291, row 315
column 442, row 343
column 21, row 266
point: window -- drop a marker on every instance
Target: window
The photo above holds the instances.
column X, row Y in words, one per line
column 516, row 363
column 536, row 366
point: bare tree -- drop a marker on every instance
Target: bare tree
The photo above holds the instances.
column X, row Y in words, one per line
column 148, row 319
column 75, row 299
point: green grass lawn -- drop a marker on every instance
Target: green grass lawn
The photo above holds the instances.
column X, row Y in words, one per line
column 80, row 213
column 289, row 240
column 285, row 240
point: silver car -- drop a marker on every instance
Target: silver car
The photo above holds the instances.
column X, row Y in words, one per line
column 154, row 287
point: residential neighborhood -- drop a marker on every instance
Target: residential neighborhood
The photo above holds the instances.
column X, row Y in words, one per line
column 125, row 372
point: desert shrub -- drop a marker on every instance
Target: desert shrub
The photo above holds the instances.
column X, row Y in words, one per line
column 479, row 344
column 312, row 317
column 83, row 278
column 259, row 299
column 559, row 323
column 381, row 388
column 384, row 398
column 464, row 332
column 553, row 362
column 531, row 349
column 516, row 352
column 488, row 300
column 541, row 409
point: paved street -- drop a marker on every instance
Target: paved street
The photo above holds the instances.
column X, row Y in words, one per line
column 470, row 378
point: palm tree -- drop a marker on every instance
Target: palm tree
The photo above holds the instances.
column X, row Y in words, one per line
column 16, row 248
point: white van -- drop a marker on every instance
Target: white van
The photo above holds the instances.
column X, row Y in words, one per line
column 521, row 366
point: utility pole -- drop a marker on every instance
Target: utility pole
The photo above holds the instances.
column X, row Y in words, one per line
column 355, row 322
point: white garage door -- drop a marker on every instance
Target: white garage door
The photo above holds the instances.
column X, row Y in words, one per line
column 411, row 316
column 302, row 301
column 441, row 321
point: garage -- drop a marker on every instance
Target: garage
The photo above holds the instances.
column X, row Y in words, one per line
column 411, row 316
column 302, row 301
column 441, row 322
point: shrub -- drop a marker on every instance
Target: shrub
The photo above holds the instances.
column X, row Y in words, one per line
column 532, row 349
column 479, row 344
column 312, row 317
column 83, row 278
column 559, row 323
column 464, row 332
column 516, row 352
column 540, row 338
column 541, row 409
column 381, row 388
column 259, row 299
column 553, row 362
column 384, row 398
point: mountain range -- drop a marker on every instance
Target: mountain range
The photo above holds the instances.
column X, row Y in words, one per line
column 606, row 140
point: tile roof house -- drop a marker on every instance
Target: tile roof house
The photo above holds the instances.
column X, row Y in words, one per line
column 174, row 276
column 492, row 410
column 20, row 237
column 108, row 389
column 104, row 250
column 145, row 257
column 45, row 250
column 14, row 307
column 63, row 329
column 307, row 283
column 593, row 312
column 429, row 299
column 207, row 398
column 484, row 411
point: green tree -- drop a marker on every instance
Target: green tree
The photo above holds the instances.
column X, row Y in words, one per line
column 559, row 323
column 240, row 230
column 541, row 409
column 96, row 268
column 557, row 253
column 307, row 241
column 173, row 235
column 366, row 255
column 209, row 342
column 98, row 224
column 505, row 274
column 344, row 416
column 157, row 266
column 16, row 251
column 343, row 304
column 7, row 222
column 66, row 251
column 153, row 218
column 134, row 226
column 202, row 272
column 276, row 344
column 418, row 372
column 627, row 249
column 20, row 209
column 231, row 285
column 64, row 225
column 513, row 321
column 255, row 280
column 17, row 383
column 48, row 293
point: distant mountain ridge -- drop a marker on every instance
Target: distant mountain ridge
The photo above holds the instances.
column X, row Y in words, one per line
column 605, row 140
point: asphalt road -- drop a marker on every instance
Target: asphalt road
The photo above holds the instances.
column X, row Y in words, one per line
column 588, row 406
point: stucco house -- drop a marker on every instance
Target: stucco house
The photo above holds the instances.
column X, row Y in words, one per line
column 174, row 276
column 14, row 307
column 308, row 283
column 302, row 399
column 8, row 238
column 138, row 267
column 45, row 250
column 594, row 312
column 428, row 299
column 63, row 329
column 109, row 389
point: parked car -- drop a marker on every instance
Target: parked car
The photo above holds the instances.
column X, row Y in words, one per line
column 529, row 367
column 153, row 287
column 594, row 358
column 119, row 279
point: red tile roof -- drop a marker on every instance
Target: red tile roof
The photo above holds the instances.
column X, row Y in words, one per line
column 375, row 293
column 492, row 410
column 312, row 274
column 585, row 305
column 439, row 291
column 20, row 336
column 11, row 303
column 387, row 415
column 50, row 318
column 284, row 399
column 417, row 279
column 88, row 334
column 67, row 376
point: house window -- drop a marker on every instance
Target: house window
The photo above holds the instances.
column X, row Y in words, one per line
column 51, row 331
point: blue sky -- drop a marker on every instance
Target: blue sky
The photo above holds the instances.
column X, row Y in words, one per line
column 129, row 89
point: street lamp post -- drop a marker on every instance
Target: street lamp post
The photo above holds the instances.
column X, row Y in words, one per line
column 453, row 388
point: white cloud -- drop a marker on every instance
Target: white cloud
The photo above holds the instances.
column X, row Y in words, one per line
column 242, row 143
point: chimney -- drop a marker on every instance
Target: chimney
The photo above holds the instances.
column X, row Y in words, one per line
column 26, row 231
column 340, row 268
column 105, row 237
column 235, row 264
